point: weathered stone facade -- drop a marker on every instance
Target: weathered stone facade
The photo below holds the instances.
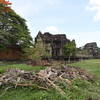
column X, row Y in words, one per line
column 93, row 49
column 11, row 53
column 53, row 44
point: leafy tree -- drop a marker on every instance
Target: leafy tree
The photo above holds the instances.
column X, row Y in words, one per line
column 4, row 6
column 13, row 30
column 37, row 52
column 70, row 49
column 34, row 53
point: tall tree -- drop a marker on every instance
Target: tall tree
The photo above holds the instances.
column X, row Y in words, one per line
column 13, row 30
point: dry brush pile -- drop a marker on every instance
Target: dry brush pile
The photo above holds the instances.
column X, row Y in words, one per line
column 45, row 79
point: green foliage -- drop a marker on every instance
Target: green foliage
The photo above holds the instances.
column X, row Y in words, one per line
column 83, row 53
column 69, row 49
column 1, row 7
column 14, row 31
column 31, row 94
column 37, row 52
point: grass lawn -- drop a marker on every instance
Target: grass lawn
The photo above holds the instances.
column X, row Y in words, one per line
column 93, row 66
column 79, row 90
column 20, row 66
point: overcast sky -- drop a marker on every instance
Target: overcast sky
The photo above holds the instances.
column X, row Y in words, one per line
column 78, row 19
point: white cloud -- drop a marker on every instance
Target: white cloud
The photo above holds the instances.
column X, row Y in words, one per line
column 94, row 5
column 94, row 2
column 51, row 29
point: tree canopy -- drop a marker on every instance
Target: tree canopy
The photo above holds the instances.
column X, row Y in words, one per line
column 13, row 30
column 70, row 49
column 4, row 6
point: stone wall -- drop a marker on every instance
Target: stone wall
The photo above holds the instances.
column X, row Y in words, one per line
column 10, row 54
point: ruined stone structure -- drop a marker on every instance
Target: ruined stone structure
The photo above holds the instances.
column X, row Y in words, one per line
column 11, row 53
column 93, row 49
column 53, row 44
column 92, row 45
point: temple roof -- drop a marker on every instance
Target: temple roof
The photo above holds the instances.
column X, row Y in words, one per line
column 47, row 36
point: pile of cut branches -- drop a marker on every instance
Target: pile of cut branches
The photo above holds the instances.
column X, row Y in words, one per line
column 49, row 77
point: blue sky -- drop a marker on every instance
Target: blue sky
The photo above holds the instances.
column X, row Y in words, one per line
column 78, row 19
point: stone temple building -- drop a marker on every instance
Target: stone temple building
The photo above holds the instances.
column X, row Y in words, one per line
column 53, row 44
column 93, row 49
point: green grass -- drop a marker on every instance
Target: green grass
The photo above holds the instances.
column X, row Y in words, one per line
column 4, row 67
column 93, row 66
column 31, row 94
column 79, row 90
